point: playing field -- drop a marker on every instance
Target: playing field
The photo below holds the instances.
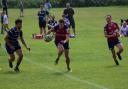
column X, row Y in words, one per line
column 91, row 61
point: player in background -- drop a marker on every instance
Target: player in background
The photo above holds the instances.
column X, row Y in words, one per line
column 111, row 32
column 2, row 27
column 47, row 6
column 62, row 41
column 5, row 22
column 124, row 29
column 52, row 22
column 43, row 17
column 67, row 23
column 69, row 13
column 5, row 6
column 21, row 6
column 12, row 44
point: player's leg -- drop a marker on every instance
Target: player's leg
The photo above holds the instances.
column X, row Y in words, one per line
column 6, row 9
column 44, row 28
column 60, row 51
column 120, row 47
column 66, row 53
column 2, row 31
column 114, row 56
column 73, row 25
column 111, row 47
column 20, row 57
column 11, row 55
column 11, row 59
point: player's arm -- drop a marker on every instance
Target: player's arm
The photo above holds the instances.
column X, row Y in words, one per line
column 8, row 42
column 51, row 30
column 23, row 42
column 108, row 36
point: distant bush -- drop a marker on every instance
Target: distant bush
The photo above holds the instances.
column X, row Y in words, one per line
column 61, row 3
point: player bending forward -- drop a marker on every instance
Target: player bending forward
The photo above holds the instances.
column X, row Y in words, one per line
column 12, row 44
column 111, row 32
column 62, row 41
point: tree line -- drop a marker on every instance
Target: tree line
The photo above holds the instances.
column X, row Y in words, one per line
column 61, row 3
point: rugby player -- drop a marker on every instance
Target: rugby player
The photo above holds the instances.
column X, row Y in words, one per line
column 111, row 32
column 42, row 14
column 12, row 44
column 62, row 41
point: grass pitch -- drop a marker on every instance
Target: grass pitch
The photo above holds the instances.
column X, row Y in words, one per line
column 91, row 61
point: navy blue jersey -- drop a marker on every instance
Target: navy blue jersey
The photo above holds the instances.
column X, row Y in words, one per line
column 42, row 15
column 52, row 23
column 14, row 34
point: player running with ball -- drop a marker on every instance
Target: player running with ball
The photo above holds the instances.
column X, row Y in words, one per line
column 111, row 31
column 62, row 41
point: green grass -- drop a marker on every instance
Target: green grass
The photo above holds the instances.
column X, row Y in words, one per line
column 91, row 61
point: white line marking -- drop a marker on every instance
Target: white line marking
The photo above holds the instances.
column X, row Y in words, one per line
column 67, row 75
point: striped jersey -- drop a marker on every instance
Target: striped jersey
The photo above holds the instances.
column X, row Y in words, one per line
column 14, row 34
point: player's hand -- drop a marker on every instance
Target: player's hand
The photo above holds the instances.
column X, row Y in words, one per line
column 114, row 35
column 28, row 49
column 63, row 42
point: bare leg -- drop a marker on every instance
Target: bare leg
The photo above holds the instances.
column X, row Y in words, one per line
column 114, row 56
column 60, row 52
column 11, row 59
column 20, row 57
column 66, row 52
column 120, row 47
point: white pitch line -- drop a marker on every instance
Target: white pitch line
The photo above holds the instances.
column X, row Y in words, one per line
column 69, row 76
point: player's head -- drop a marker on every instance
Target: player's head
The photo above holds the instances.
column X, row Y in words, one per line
column 3, row 12
column 63, row 16
column 108, row 18
column 67, row 5
column 53, row 17
column 61, row 23
column 18, row 23
column 124, row 23
column 41, row 7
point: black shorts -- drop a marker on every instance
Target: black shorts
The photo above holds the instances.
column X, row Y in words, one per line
column 72, row 22
column 111, row 44
column 42, row 24
column 11, row 51
column 21, row 9
column 66, row 45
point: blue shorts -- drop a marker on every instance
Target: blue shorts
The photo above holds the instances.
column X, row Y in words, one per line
column 66, row 45
column 11, row 51
column 111, row 44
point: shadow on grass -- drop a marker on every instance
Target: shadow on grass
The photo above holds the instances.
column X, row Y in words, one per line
column 114, row 66
column 11, row 72
column 61, row 73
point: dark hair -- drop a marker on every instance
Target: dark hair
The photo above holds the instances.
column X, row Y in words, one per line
column 18, row 21
column 109, row 16
column 63, row 15
column 61, row 21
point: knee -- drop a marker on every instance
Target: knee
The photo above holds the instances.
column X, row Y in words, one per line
column 121, row 49
column 21, row 56
column 67, row 57
column 12, row 58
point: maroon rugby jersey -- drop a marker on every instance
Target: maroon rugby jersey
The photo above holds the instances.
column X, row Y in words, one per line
column 110, row 29
column 60, row 34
